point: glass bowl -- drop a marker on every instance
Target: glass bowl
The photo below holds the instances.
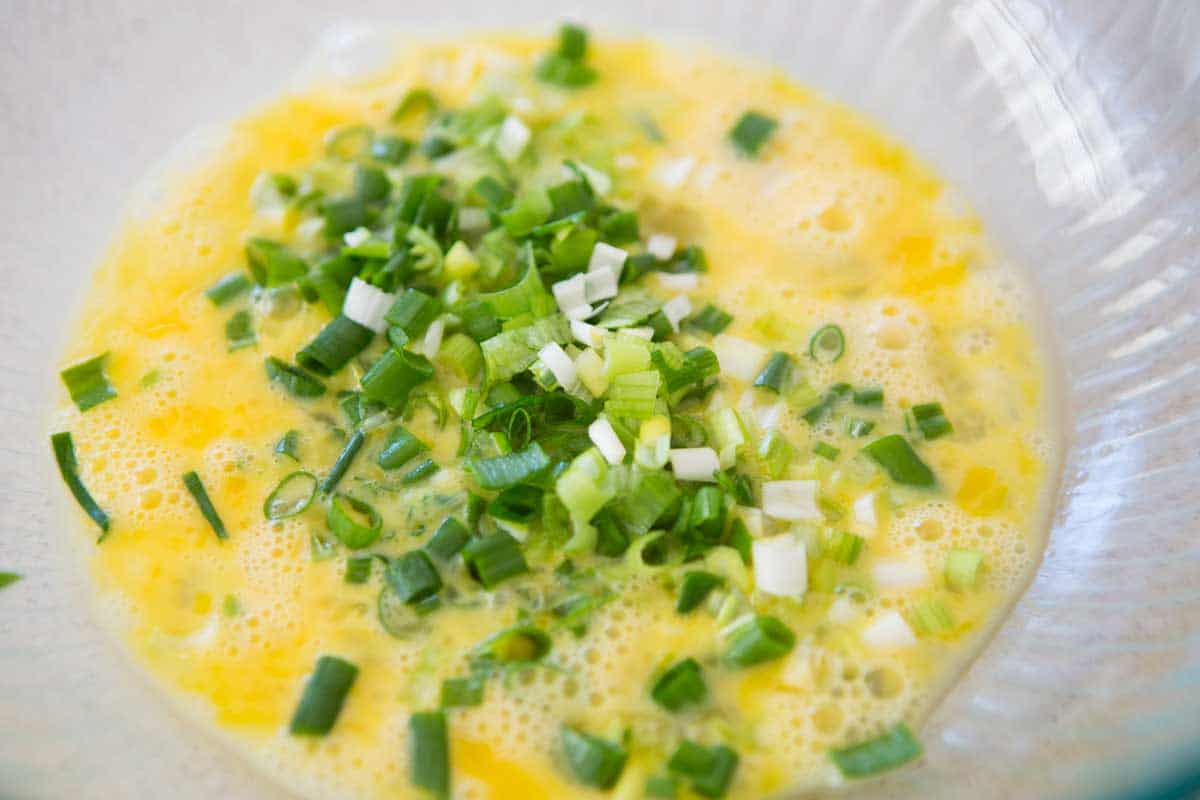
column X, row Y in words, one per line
column 1072, row 126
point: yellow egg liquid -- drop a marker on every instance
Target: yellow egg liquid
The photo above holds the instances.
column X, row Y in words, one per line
column 833, row 223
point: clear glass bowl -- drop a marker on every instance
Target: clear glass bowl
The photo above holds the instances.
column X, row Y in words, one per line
column 1070, row 125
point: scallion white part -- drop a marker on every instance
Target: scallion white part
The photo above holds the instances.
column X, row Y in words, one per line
column 671, row 173
column 560, row 364
column 888, row 631
column 587, row 335
column 579, row 312
column 899, row 574
column 753, row 518
column 641, row 332
column 600, row 284
column 738, row 357
column 661, row 246
column 607, row 257
column 357, row 236
column 865, row 515
column 695, row 463
column 433, row 338
column 511, row 138
column 678, row 282
column 781, row 566
column 367, row 305
column 570, row 293
column 766, row 415
column 676, row 309
column 790, row 500
column 473, row 219
column 842, row 610
column 606, row 440
column 600, row 182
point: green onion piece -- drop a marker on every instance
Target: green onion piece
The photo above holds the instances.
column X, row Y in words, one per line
column 358, row 569
column 680, row 686
column 346, row 517
column 844, row 547
column 413, row 311
column 633, row 395
column 293, row 495
column 826, row 451
column 931, row 420
column 462, row 692
column 493, row 192
column 294, row 380
column 741, row 540
column 392, row 150
column 895, row 747
column 500, row 472
column 661, row 786
column 519, row 504
column 479, row 320
column 344, row 460
column 398, row 618
column 775, row 453
column 449, row 539
column 494, row 558
column 827, row 344
column 695, row 587
column 593, row 761
column 751, row 132
column 531, row 208
column 518, row 644
column 901, row 462
column 648, row 495
column 776, row 373
column 196, row 488
column 414, row 577
column 708, row 513
column 962, row 568
column 710, row 769
column 272, row 264
column 323, row 696
column 930, row 617
column 462, row 354
column 620, row 228
column 342, row 215
column 859, row 427
column 429, row 752
column 760, row 639
column 87, row 383
column 564, row 67
column 239, row 331
column 392, row 378
column 868, row 396
column 338, row 342
column 68, row 467
column 348, row 142
column 527, row 296
column 709, row 319
column 227, row 288
column 418, row 99
column 371, row 183
column 514, row 351
column 400, row 448
column 825, row 405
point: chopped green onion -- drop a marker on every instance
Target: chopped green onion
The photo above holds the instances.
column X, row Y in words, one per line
column 494, row 558
column 346, row 517
column 493, row 192
column 479, row 320
column 324, row 694
column 893, row 748
column 564, row 67
column 272, row 264
column 825, row 405
column 931, row 617
column 826, row 451
column 239, row 331
column 371, row 183
column 662, row 786
column 845, row 547
column 338, row 342
column 196, row 488
column 709, row 319
column 751, row 132
column 868, row 396
column 710, row 769
column 391, row 379
column 827, row 344
column 962, row 568
column 762, row 638
column 859, row 427
column 775, row 374
column 418, row 99
column 620, row 228
column 342, row 215
column 294, row 380
column 741, row 541
column 648, row 495
column 901, row 462
column 696, row 586
column 392, row 150
column 68, row 467
column 633, row 395
column 293, row 495
column 8, row 578
column 708, row 513
column 776, row 454
column 87, row 383
column 531, row 208
column 514, row 351
column 462, row 692
column 500, row 472
column 593, row 761
column 931, row 420
column 429, row 752
column 413, row 577
column 462, row 354
column 343, row 462
column 348, row 142
column 398, row 618
column 227, row 288
column 449, row 539
column 413, row 312
column 680, row 686
column 400, row 448
column 518, row 644
column 519, row 504
column 358, row 569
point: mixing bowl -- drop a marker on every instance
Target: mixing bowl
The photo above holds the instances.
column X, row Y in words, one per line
column 1072, row 126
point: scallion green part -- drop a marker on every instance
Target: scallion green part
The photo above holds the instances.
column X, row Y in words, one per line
column 900, row 461
column 413, row 577
column 391, row 379
column 68, row 467
column 463, row 692
column 893, row 748
column 87, row 383
column 494, row 558
column 289, row 445
column 661, row 786
column 709, row 319
column 931, row 420
column 400, row 448
column 827, row 344
column 682, row 685
column 343, row 462
column 565, row 66
column 826, row 451
column 710, row 769
column 962, row 568
column 227, row 288
column 415, row 100
column 239, row 331
column 358, row 569
column 323, row 696
column 593, row 761
column 775, row 453
column 292, row 496
column 859, row 427
column 931, row 617
column 695, row 587
column 776, row 374
column 518, row 644
column 845, row 547
column 759, row 639
column 449, row 539
column 500, row 472
column 413, row 312
column 868, row 396
column 294, row 380
column 354, row 522
column 338, row 342
column 424, row 469
column 272, row 264
column 429, row 752
column 196, row 489
column 751, row 132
